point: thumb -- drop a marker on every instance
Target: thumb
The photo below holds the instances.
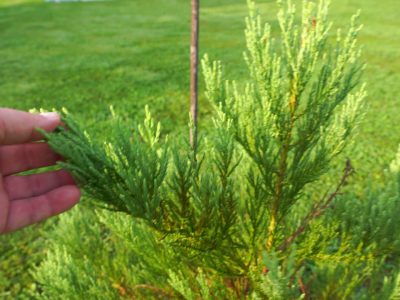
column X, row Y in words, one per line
column 18, row 127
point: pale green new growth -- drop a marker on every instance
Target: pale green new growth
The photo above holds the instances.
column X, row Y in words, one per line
column 297, row 110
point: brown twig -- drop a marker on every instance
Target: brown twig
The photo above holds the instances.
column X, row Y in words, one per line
column 279, row 186
column 303, row 288
column 154, row 289
column 319, row 208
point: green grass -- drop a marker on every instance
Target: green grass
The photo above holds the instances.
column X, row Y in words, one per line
column 88, row 56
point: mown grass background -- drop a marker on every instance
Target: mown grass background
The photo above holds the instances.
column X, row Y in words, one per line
column 88, row 56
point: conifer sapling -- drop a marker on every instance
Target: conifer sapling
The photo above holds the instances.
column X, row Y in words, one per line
column 226, row 205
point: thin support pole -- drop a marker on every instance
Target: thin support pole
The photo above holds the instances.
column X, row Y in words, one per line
column 194, row 62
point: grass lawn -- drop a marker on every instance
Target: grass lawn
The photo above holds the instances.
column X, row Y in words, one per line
column 87, row 56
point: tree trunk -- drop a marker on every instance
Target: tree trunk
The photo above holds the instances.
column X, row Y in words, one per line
column 194, row 58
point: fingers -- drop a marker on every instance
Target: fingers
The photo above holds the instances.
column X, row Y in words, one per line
column 20, row 158
column 32, row 210
column 17, row 127
column 21, row 187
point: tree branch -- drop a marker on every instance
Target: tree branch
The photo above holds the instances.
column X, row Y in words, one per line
column 319, row 207
column 153, row 289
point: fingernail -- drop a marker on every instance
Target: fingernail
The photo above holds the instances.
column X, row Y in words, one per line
column 51, row 116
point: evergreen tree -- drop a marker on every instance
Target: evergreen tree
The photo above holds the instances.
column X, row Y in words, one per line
column 222, row 219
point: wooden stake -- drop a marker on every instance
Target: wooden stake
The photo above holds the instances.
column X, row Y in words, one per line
column 194, row 61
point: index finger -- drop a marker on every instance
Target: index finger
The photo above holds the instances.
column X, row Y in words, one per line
column 18, row 127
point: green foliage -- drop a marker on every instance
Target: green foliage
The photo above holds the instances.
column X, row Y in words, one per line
column 127, row 260
column 49, row 61
column 281, row 280
column 286, row 117
column 282, row 129
column 78, row 275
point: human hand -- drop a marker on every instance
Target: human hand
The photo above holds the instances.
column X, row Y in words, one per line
column 25, row 200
